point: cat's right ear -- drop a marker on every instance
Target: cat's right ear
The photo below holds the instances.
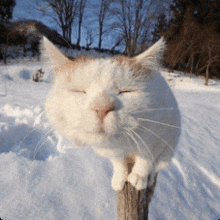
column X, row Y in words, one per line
column 51, row 52
column 152, row 57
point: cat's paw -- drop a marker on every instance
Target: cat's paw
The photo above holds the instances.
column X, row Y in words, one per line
column 137, row 181
column 118, row 181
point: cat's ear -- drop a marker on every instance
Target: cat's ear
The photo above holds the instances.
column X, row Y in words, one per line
column 56, row 57
column 151, row 58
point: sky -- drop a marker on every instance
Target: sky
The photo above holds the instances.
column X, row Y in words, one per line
column 25, row 9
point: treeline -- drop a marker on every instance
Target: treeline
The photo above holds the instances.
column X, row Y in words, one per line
column 124, row 23
column 6, row 11
column 193, row 36
column 26, row 35
column 22, row 38
column 190, row 27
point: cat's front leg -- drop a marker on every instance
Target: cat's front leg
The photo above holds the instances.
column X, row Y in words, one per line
column 120, row 173
column 140, row 172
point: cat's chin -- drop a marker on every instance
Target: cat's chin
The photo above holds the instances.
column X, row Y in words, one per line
column 94, row 138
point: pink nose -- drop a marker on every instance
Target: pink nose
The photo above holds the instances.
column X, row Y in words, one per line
column 102, row 112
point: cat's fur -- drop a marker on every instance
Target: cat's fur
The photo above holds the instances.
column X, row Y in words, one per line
column 122, row 107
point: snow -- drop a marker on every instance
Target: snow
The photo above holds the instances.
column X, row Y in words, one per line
column 38, row 182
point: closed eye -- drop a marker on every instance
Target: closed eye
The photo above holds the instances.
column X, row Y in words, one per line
column 79, row 91
column 126, row 91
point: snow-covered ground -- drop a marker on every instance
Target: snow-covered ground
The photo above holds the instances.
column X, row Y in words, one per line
column 39, row 183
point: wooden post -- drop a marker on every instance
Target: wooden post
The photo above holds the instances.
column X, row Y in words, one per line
column 134, row 204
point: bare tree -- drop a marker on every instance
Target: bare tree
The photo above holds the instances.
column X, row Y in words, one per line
column 63, row 12
column 89, row 38
column 196, row 49
column 104, row 8
column 118, row 42
column 81, row 9
column 134, row 21
column 210, row 56
column 102, row 17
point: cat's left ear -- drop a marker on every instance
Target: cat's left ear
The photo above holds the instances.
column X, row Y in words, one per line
column 56, row 57
column 151, row 58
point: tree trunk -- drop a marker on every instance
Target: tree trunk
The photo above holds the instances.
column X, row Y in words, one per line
column 192, row 65
column 207, row 76
column 134, row 204
column 100, row 36
column 117, row 43
column 128, row 47
column 24, row 49
column 64, row 32
column 5, row 54
column 79, row 34
column 207, row 68
column 6, row 50
column 69, row 34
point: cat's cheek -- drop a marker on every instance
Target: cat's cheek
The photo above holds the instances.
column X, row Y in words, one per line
column 110, row 124
column 128, row 121
column 90, row 123
column 133, row 122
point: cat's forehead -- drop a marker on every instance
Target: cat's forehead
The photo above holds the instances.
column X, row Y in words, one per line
column 103, row 74
column 100, row 68
column 100, row 71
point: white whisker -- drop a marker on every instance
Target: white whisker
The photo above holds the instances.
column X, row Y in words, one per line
column 132, row 137
column 41, row 146
column 143, row 144
column 157, row 122
column 154, row 109
column 147, row 129
column 26, row 136
column 29, row 131
column 37, row 148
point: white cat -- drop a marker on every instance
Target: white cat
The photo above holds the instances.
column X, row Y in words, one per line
column 121, row 107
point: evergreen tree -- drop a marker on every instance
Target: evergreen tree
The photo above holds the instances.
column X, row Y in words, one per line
column 6, row 9
column 160, row 27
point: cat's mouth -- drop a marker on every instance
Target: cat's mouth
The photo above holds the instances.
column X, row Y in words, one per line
column 101, row 131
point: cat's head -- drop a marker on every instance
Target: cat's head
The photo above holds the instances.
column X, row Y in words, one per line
column 92, row 100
